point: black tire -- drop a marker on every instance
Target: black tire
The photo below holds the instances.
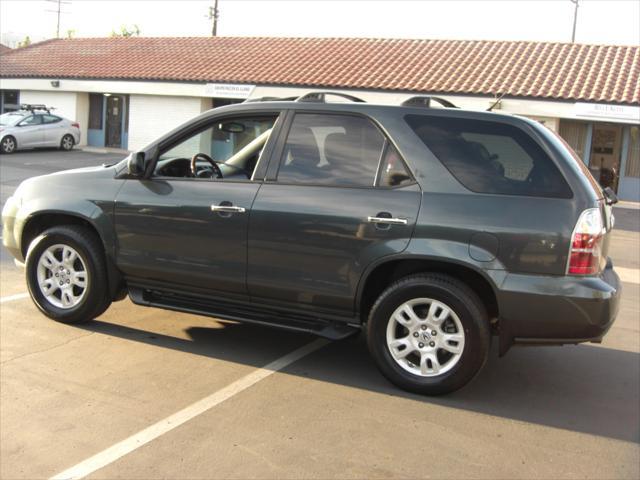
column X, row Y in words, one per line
column 468, row 308
column 96, row 299
column 8, row 145
column 67, row 142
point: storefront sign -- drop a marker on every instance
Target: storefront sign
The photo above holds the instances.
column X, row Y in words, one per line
column 228, row 90
column 600, row 110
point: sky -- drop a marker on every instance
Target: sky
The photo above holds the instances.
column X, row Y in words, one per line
column 599, row 21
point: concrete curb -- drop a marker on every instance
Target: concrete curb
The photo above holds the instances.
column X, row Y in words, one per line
column 103, row 150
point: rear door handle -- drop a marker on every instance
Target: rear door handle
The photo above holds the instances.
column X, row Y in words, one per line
column 387, row 221
column 227, row 209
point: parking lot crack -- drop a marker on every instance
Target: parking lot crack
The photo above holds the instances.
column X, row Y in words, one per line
column 44, row 350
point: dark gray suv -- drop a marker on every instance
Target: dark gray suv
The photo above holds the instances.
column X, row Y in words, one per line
column 433, row 229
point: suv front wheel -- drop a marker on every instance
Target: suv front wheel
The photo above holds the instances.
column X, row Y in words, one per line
column 429, row 334
column 66, row 274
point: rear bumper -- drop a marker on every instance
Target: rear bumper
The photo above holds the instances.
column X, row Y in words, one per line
column 557, row 310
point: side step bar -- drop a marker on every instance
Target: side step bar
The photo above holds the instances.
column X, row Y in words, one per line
column 240, row 313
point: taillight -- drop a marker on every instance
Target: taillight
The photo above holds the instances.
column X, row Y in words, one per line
column 586, row 244
column 75, row 124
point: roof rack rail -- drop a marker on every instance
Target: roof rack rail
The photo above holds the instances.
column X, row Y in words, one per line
column 425, row 101
column 271, row 99
column 32, row 107
column 319, row 97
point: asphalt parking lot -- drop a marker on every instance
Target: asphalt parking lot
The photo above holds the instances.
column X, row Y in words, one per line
column 70, row 393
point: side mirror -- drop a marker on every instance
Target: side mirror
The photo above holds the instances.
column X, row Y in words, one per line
column 610, row 196
column 135, row 164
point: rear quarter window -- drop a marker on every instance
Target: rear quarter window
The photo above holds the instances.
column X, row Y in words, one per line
column 490, row 157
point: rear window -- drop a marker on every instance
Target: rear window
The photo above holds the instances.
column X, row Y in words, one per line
column 490, row 157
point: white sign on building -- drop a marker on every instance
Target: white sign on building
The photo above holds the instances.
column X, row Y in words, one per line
column 601, row 110
column 228, row 90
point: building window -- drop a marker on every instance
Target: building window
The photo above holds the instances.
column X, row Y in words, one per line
column 95, row 111
column 575, row 134
column 10, row 100
column 223, row 102
column 633, row 153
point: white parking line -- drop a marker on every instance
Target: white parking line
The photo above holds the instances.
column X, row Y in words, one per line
column 11, row 298
column 154, row 431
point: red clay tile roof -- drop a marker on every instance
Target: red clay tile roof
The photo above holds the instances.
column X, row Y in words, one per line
column 5, row 49
column 597, row 73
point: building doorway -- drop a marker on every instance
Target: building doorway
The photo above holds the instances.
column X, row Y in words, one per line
column 605, row 154
column 115, row 107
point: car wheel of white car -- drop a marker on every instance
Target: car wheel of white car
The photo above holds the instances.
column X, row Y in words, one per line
column 67, row 143
column 8, row 144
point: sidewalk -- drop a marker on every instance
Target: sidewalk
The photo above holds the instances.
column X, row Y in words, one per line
column 89, row 149
column 628, row 205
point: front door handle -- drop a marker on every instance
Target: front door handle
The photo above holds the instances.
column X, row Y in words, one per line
column 387, row 220
column 227, row 209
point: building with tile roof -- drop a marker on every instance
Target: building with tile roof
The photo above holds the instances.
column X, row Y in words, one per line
column 590, row 94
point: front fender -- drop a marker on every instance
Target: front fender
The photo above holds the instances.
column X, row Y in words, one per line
column 85, row 210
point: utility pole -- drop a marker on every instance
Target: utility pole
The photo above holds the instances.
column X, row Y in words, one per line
column 58, row 11
column 575, row 20
column 213, row 15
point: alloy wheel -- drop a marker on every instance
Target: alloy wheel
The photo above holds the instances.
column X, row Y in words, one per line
column 425, row 337
column 67, row 142
column 62, row 276
column 8, row 145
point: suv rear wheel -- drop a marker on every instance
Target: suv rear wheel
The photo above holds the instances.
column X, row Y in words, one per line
column 66, row 274
column 429, row 334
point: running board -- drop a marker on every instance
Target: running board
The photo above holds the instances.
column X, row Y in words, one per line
column 241, row 313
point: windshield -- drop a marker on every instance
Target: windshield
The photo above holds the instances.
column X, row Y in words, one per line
column 10, row 119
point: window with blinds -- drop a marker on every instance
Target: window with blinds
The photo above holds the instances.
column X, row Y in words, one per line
column 633, row 153
column 575, row 134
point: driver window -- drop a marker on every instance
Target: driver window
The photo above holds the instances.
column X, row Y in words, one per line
column 228, row 149
column 32, row 120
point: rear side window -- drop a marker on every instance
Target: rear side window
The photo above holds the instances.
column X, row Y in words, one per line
column 491, row 157
column 50, row 119
column 337, row 150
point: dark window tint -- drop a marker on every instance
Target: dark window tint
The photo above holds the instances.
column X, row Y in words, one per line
column 490, row 157
column 393, row 171
column 95, row 111
column 50, row 119
column 331, row 150
column 32, row 120
column 11, row 96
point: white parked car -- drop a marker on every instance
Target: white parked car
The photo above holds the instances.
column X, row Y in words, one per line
column 35, row 126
